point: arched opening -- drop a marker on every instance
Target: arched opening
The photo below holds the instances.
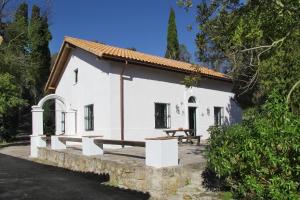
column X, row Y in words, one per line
column 60, row 108
column 49, row 117
column 192, row 99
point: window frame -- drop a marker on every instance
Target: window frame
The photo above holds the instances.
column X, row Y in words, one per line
column 89, row 117
column 75, row 76
column 221, row 120
column 63, row 122
column 167, row 117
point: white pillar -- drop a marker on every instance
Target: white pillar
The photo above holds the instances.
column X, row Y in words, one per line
column 57, row 144
column 37, row 120
column 70, row 122
column 35, row 143
column 89, row 148
column 161, row 152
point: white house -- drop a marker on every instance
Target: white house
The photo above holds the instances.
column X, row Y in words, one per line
column 124, row 94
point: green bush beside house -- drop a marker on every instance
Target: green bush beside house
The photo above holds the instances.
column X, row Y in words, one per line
column 259, row 158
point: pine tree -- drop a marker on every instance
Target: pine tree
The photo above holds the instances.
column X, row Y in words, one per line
column 173, row 44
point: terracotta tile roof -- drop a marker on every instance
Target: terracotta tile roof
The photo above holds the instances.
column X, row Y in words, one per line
column 103, row 50
column 115, row 53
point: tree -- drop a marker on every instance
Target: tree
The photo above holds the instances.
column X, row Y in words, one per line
column 172, row 51
column 184, row 54
column 10, row 99
column 40, row 57
column 24, row 54
column 249, row 38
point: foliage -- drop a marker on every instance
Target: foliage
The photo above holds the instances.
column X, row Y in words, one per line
column 260, row 158
column 172, row 51
column 10, row 96
column 256, row 41
column 10, row 99
column 282, row 70
column 24, row 54
column 191, row 80
column 40, row 57
column 184, row 54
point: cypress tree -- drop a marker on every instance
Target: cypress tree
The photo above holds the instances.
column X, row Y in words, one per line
column 19, row 29
column 172, row 40
column 40, row 58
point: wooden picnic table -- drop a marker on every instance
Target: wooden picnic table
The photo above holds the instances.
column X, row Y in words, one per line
column 188, row 132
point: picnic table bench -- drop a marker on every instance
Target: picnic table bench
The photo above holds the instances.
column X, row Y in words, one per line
column 189, row 135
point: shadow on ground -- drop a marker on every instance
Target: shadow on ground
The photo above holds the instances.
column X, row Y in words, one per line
column 22, row 179
column 212, row 182
column 21, row 143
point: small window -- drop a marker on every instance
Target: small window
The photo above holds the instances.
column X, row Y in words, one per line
column 162, row 115
column 192, row 99
column 89, row 117
column 63, row 122
column 75, row 76
column 218, row 115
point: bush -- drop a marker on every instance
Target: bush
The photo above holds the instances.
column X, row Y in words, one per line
column 259, row 158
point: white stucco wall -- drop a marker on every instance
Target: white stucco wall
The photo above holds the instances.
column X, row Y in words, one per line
column 99, row 84
column 93, row 87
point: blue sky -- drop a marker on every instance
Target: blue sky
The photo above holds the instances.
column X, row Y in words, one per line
column 134, row 23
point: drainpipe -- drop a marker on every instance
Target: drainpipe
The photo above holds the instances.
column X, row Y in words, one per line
column 122, row 100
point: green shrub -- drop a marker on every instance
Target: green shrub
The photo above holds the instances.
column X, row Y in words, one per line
column 259, row 158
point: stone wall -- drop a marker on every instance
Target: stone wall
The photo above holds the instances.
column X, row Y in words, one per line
column 160, row 183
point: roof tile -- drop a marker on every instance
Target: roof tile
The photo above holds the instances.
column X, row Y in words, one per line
column 106, row 50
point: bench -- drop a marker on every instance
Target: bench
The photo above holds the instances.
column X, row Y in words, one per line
column 189, row 139
column 58, row 142
column 120, row 142
column 94, row 146
column 160, row 152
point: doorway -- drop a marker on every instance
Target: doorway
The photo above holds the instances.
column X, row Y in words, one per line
column 192, row 119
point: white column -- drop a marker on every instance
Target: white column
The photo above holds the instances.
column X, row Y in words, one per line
column 161, row 152
column 37, row 120
column 70, row 122
column 89, row 148
column 35, row 143
column 57, row 144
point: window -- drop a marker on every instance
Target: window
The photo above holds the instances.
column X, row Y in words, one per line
column 162, row 115
column 89, row 117
column 75, row 76
column 63, row 122
column 192, row 99
column 219, row 115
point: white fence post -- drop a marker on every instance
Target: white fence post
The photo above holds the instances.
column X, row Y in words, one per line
column 37, row 139
column 161, row 152
column 35, row 143
column 37, row 120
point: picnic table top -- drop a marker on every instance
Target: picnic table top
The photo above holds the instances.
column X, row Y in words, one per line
column 177, row 130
